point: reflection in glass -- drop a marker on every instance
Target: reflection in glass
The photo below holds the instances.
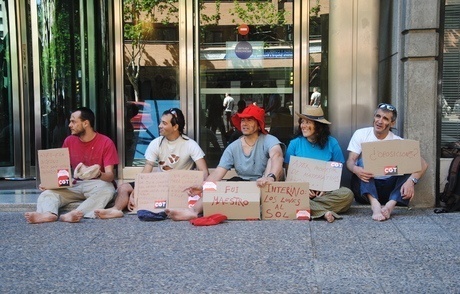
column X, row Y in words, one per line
column 6, row 118
column 60, row 67
column 248, row 54
column 151, row 62
column 318, row 43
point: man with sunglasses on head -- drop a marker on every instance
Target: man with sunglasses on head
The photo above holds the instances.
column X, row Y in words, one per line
column 386, row 190
column 172, row 150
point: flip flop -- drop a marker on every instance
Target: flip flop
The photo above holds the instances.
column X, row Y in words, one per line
column 210, row 220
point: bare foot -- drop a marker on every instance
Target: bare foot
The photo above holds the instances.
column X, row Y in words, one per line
column 377, row 212
column 181, row 214
column 386, row 212
column 37, row 217
column 329, row 217
column 388, row 209
column 108, row 213
column 72, row 217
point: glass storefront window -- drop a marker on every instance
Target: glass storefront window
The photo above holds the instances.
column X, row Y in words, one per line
column 151, row 69
column 60, row 68
column 318, row 42
column 6, row 107
column 249, row 56
column 74, row 66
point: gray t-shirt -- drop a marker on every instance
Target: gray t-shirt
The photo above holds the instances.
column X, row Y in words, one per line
column 253, row 166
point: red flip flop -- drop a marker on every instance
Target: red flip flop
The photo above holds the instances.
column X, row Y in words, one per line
column 211, row 220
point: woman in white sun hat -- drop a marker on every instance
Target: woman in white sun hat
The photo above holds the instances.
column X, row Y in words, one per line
column 314, row 141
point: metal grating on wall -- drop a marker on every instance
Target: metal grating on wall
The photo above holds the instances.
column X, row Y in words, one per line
column 450, row 129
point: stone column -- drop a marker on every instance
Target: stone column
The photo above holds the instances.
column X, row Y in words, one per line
column 417, row 94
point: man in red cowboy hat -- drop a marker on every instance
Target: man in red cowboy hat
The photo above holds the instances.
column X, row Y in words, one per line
column 255, row 156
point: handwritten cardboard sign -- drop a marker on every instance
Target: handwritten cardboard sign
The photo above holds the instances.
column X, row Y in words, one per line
column 236, row 200
column 285, row 201
column 391, row 157
column 54, row 168
column 319, row 174
column 160, row 190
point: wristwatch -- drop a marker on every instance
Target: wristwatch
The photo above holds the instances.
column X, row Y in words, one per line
column 414, row 180
column 271, row 175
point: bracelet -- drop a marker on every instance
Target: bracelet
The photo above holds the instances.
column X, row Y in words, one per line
column 271, row 175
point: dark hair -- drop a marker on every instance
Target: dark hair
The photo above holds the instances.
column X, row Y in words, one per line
column 177, row 119
column 322, row 133
column 241, row 105
column 86, row 114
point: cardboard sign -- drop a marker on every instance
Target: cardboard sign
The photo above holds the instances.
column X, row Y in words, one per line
column 54, row 167
column 391, row 157
column 160, row 190
column 285, row 201
column 236, row 200
column 321, row 175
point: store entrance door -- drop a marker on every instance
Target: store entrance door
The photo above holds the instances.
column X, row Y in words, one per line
column 248, row 58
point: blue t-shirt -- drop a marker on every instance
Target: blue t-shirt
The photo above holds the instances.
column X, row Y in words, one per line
column 301, row 147
column 249, row 167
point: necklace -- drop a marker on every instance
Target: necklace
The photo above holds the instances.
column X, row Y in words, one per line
column 244, row 138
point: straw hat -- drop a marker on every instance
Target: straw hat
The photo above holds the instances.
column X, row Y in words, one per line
column 314, row 113
column 251, row 111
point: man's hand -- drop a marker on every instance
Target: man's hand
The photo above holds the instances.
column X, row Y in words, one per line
column 194, row 190
column 407, row 190
column 261, row 182
column 362, row 174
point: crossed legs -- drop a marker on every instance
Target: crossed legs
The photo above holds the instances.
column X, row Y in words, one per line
column 121, row 202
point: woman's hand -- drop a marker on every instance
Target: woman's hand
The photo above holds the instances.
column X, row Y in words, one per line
column 314, row 193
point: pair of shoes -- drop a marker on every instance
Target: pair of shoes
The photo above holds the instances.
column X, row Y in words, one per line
column 211, row 220
column 147, row 215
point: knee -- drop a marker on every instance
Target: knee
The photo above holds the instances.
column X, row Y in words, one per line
column 47, row 195
column 125, row 189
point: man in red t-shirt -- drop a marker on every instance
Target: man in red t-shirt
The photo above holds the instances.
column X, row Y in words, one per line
column 93, row 157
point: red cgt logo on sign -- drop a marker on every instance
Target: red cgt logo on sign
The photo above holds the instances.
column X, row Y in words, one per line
column 160, row 203
column 390, row 170
column 63, row 178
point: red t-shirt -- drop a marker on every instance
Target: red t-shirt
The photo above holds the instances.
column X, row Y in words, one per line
column 101, row 150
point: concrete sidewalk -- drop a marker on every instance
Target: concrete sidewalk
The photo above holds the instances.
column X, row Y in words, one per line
column 416, row 251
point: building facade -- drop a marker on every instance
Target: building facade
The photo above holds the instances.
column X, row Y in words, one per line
column 130, row 62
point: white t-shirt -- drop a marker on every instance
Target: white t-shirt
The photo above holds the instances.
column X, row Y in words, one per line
column 315, row 99
column 367, row 135
column 179, row 154
column 228, row 104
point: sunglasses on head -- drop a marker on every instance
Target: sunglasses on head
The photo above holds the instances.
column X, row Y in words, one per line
column 387, row 106
column 173, row 112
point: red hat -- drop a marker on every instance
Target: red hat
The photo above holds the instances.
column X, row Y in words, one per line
column 251, row 111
